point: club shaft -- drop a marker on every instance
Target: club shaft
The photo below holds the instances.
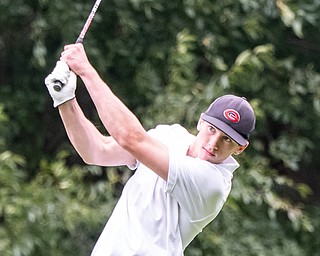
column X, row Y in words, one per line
column 58, row 85
column 88, row 22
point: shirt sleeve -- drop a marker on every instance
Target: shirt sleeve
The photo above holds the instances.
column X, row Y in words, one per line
column 201, row 188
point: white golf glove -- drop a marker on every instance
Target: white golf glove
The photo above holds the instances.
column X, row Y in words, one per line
column 68, row 80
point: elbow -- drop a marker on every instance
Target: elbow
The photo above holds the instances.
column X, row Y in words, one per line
column 130, row 139
column 90, row 157
column 87, row 160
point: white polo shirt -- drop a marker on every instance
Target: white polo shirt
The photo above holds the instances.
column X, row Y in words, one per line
column 157, row 217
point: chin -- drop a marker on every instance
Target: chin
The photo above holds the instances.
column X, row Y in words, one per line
column 211, row 159
column 215, row 161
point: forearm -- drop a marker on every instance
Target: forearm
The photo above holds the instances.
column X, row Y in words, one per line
column 82, row 133
column 120, row 122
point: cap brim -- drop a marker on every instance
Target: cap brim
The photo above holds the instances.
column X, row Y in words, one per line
column 222, row 126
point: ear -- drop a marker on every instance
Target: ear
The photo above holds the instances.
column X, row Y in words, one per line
column 200, row 122
column 241, row 149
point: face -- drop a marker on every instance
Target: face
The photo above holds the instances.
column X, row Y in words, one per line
column 213, row 145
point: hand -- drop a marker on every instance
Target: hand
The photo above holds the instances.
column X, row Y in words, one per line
column 75, row 56
column 61, row 73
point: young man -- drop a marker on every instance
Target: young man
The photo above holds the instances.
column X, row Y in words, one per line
column 181, row 180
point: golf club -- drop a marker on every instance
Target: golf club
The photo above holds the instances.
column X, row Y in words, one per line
column 58, row 85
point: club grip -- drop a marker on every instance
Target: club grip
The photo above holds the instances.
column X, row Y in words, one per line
column 57, row 86
column 79, row 40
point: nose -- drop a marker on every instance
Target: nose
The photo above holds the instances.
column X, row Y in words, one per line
column 215, row 139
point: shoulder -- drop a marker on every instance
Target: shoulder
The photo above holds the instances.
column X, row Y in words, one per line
column 201, row 175
column 201, row 188
column 163, row 132
column 165, row 128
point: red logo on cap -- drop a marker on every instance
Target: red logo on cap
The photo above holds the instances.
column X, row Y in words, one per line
column 232, row 115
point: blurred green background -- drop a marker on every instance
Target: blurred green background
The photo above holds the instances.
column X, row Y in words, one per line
column 167, row 60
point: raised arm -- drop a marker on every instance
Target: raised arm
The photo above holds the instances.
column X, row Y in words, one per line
column 92, row 146
column 120, row 122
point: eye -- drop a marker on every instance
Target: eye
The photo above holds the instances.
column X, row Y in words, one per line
column 227, row 139
column 211, row 128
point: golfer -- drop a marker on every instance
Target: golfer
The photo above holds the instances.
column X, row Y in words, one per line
column 181, row 180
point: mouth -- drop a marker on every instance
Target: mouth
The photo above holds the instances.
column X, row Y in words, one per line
column 209, row 153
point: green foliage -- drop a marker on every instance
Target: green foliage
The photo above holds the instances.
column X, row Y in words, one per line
column 52, row 214
column 167, row 61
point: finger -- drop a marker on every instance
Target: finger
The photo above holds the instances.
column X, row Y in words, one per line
column 68, row 46
column 49, row 79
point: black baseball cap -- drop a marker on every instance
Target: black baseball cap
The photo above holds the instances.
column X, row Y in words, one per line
column 232, row 115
